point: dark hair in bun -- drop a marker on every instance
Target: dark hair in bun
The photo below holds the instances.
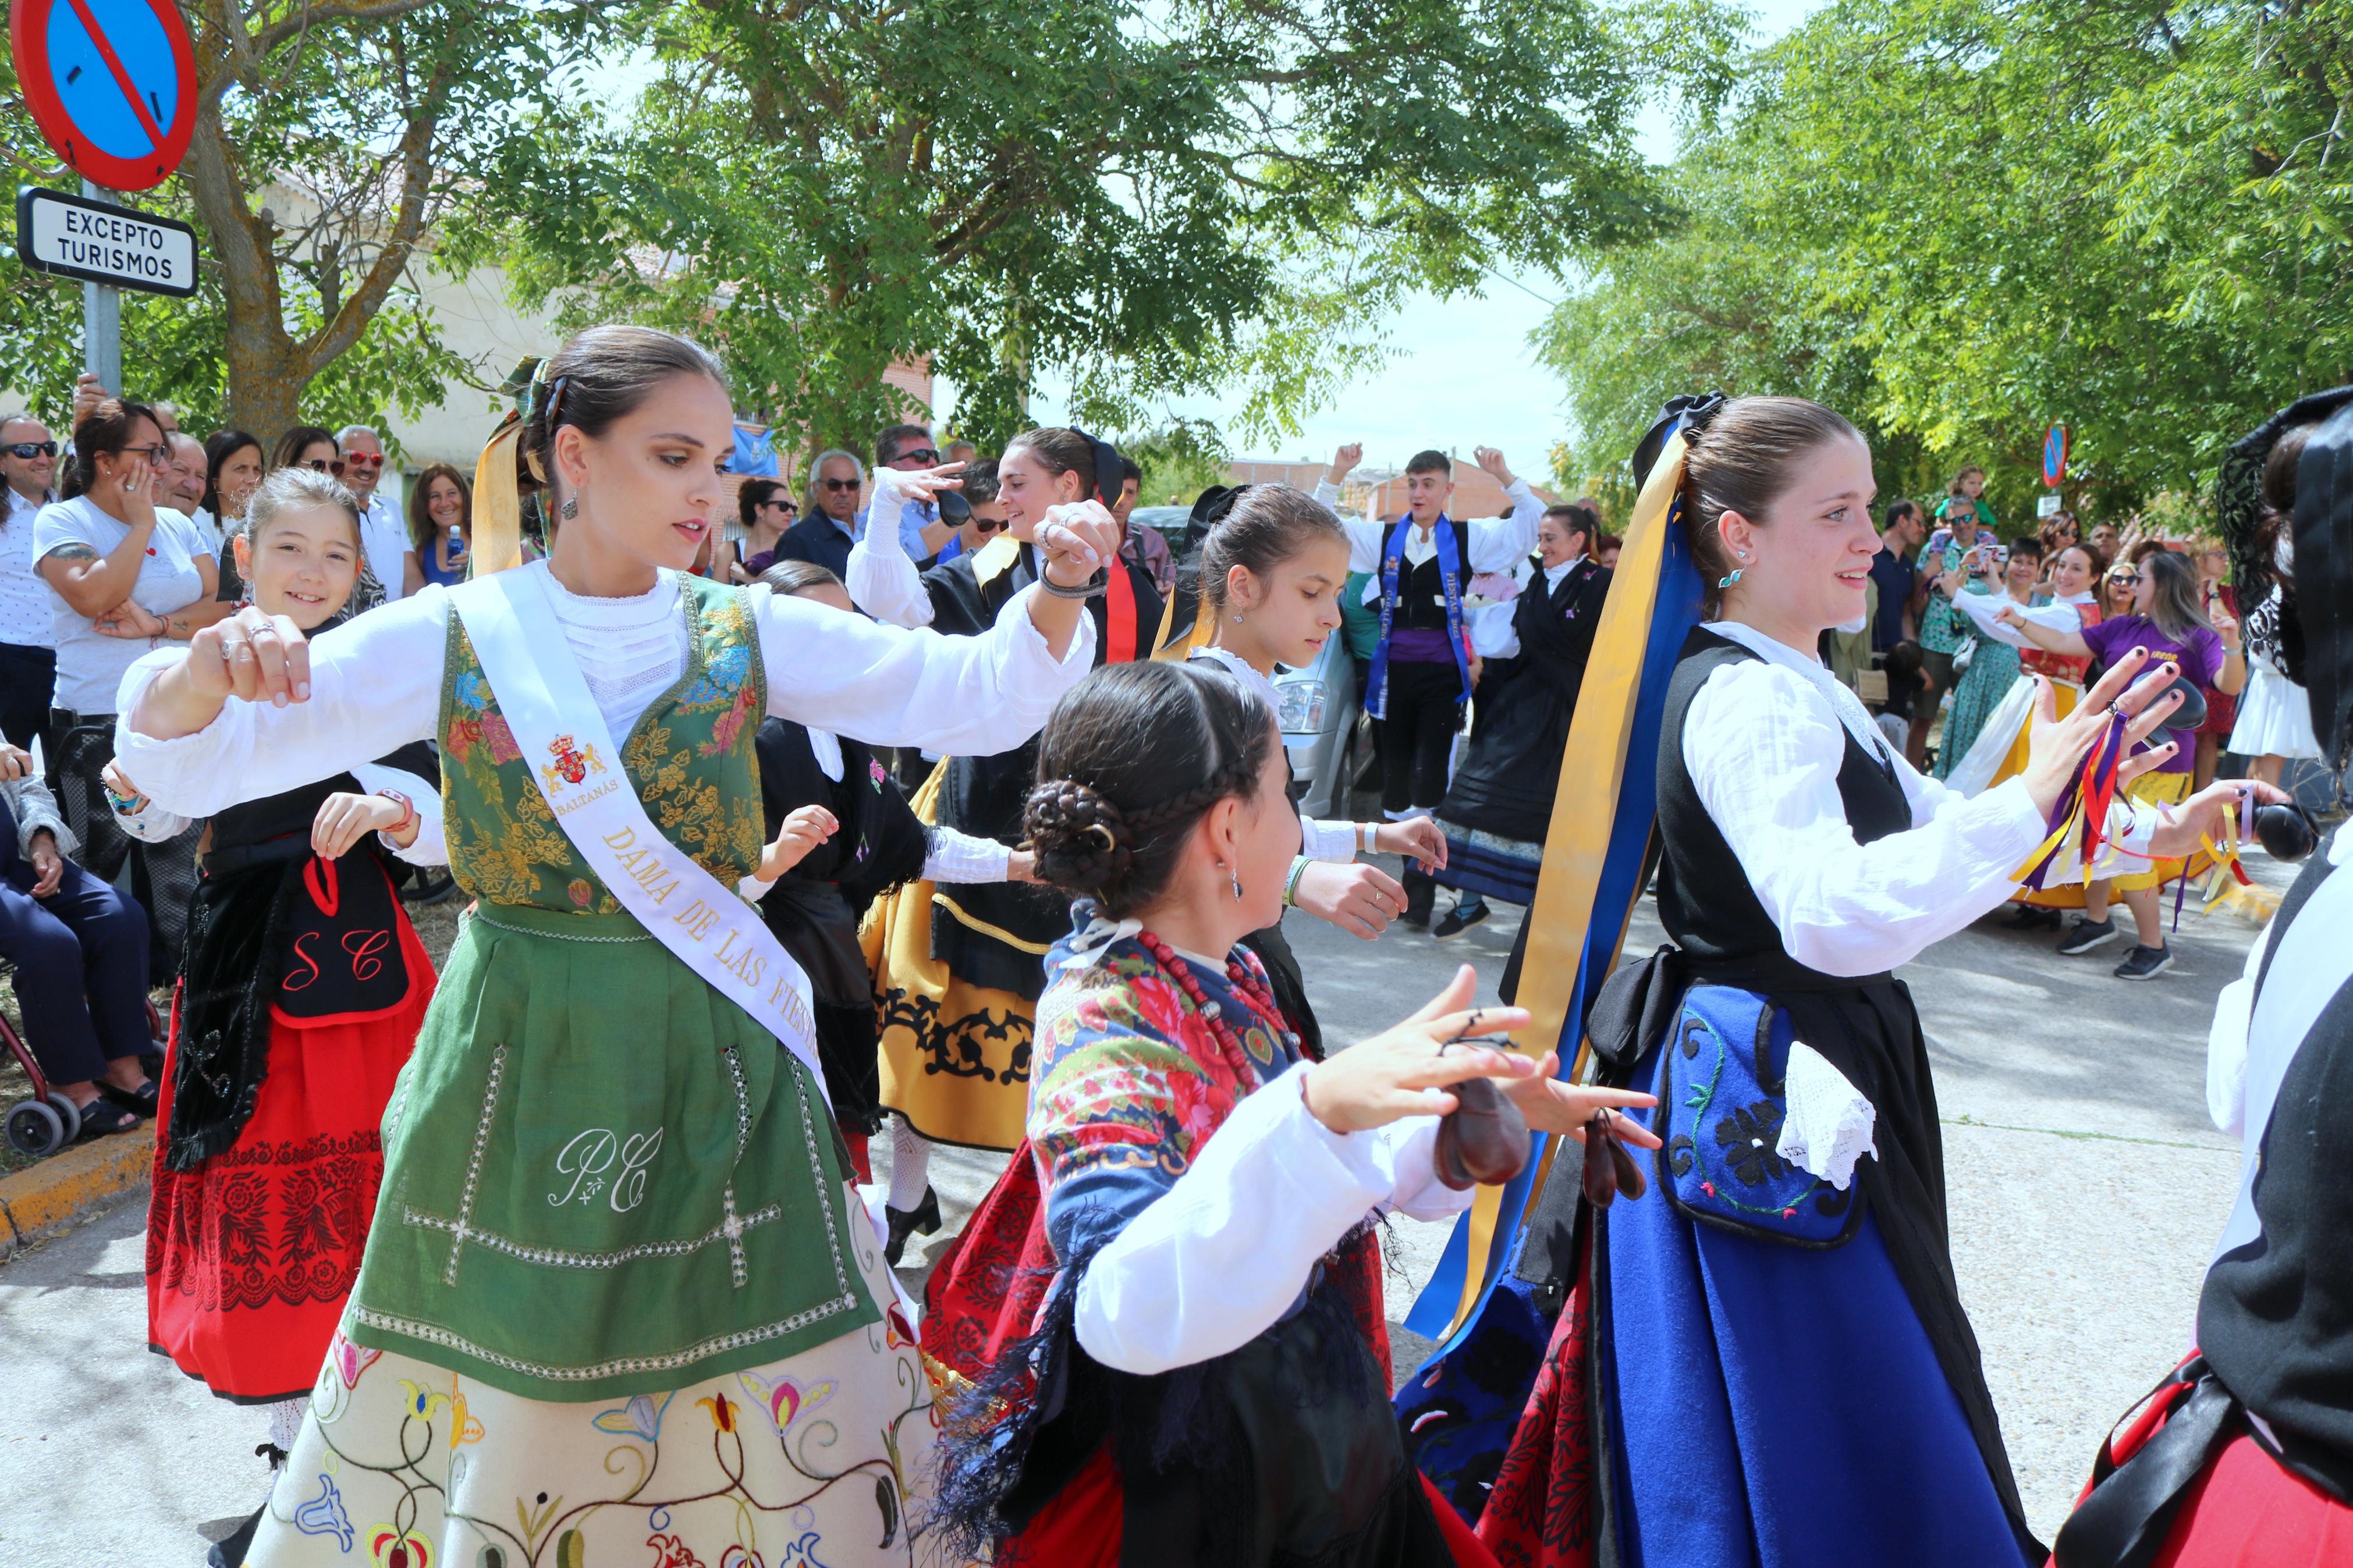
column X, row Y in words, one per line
column 1131, row 759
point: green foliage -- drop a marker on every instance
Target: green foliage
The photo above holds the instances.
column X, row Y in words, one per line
column 1152, row 200
column 1179, row 461
column 1959, row 220
column 332, row 139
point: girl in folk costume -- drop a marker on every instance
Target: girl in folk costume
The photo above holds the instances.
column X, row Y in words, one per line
column 2166, row 621
column 2245, row 1453
column 617, row 1290
column 1994, row 665
column 1206, row 1383
column 1785, row 1374
column 1270, row 567
column 841, row 835
column 1420, row 675
column 302, row 991
column 959, row 972
column 2275, row 725
column 1499, row 807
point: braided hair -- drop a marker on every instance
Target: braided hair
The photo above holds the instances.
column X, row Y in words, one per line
column 1131, row 760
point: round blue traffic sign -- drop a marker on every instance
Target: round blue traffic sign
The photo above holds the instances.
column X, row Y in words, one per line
column 112, row 84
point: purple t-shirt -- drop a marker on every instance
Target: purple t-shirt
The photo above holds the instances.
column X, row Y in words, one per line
column 2200, row 655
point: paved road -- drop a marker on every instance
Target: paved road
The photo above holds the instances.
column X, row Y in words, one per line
column 2087, row 1188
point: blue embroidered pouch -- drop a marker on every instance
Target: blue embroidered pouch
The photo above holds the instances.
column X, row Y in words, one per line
column 1722, row 1097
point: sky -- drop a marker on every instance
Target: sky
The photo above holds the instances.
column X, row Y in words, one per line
column 1463, row 374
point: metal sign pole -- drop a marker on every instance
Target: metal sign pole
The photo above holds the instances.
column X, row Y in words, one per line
column 101, row 320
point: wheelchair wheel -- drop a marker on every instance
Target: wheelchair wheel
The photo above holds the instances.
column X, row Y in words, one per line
column 68, row 1112
column 34, row 1129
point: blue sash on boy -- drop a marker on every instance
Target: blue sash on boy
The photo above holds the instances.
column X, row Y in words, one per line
column 1450, row 573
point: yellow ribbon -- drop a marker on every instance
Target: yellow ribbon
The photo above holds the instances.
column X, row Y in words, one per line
column 1593, row 767
column 498, row 504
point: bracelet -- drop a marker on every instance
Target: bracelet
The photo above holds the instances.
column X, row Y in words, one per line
column 1298, row 865
column 1093, row 588
column 1366, row 833
column 408, row 812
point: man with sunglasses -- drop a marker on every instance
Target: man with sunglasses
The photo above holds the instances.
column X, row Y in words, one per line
column 384, row 536
column 987, row 519
column 28, row 655
column 825, row 532
column 922, row 528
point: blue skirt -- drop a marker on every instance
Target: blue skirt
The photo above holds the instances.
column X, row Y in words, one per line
column 1775, row 1406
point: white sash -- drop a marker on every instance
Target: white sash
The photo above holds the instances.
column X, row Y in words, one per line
column 556, row 723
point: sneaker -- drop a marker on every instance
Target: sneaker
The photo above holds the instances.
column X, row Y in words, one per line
column 2145, row 962
column 1456, row 922
column 2087, row 935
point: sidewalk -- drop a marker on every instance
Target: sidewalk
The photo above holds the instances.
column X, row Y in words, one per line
column 72, row 1186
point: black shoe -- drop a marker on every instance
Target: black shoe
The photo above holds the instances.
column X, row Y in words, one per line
column 102, row 1118
column 1456, row 922
column 230, row 1550
column 2087, row 935
column 2028, row 917
column 140, row 1101
column 2145, row 962
column 923, row 1219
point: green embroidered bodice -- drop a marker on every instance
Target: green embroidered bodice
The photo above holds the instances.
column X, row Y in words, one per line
column 691, row 758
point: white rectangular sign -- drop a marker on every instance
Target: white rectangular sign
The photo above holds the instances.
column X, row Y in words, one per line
column 2047, row 504
column 76, row 237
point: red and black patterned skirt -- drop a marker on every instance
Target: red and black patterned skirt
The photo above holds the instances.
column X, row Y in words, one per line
column 252, row 1254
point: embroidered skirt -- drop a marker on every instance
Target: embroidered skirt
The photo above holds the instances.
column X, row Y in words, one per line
column 251, row 1255
column 602, row 1178
column 822, row 1457
column 1778, row 1405
column 954, row 1055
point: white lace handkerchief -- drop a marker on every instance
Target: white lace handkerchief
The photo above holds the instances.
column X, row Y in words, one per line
column 1829, row 1125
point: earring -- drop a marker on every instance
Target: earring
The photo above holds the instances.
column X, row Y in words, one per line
column 1728, row 582
column 570, row 508
column 1237, row 878
column 1238, row 618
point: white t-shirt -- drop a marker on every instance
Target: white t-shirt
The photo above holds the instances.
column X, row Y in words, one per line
column 24, row 597
column 90, row 667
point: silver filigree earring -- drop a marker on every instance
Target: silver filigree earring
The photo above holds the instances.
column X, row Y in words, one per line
column 570, row 508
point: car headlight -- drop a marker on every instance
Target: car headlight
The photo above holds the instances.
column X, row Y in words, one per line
column 1301, row 709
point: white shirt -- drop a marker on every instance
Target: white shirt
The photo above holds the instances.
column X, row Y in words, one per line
column 151, row 824
column 90, row 667
column 376, row 682
column 1490, row 543
column 1763, row 743
column 1319, row 840
column 2251, row 1047
column 24, row 615
column 1220, row 1257
column 1492, row 632
column 384, row 537
column 2062, row 615
column 883, row 579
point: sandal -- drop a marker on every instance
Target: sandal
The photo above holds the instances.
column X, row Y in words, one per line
column 140, row 1101
column 101, row 1117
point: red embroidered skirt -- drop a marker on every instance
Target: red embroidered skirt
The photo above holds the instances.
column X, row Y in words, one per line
column 1542, row 1511
column 251, row 1255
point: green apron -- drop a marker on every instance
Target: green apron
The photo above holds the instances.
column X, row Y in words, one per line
column 602, row 1177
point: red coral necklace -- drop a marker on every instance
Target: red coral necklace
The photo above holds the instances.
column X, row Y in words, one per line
column 1260, row 1000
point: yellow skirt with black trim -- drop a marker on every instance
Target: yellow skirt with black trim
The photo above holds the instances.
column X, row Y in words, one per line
column 954, row 1056
column 2154, row 789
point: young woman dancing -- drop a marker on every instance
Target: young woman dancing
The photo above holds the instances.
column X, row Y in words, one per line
column 303, row 991
column 618, row 1287
column 841, row 835
column 959, row 972
column 1208, row 1381
column 1777, row 1350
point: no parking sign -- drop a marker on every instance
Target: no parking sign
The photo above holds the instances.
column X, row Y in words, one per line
column 112, row 84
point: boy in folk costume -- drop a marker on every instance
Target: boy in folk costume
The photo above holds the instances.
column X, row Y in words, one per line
column 1420, row 675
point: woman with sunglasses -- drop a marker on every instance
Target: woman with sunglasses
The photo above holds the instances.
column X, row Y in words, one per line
column 123, row 574
column 306, row 446
column 986, row 518
column 2165, row 620
column 29, row 663
column 763, row 510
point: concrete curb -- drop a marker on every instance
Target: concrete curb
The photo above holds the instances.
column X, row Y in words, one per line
column 68, row 1188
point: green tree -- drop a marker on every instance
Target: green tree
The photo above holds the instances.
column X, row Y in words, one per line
column 1152, row 200
column 367, row 119
column 1959, row 220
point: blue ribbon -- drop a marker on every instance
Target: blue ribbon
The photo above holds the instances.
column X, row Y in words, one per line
column 1450, row 573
